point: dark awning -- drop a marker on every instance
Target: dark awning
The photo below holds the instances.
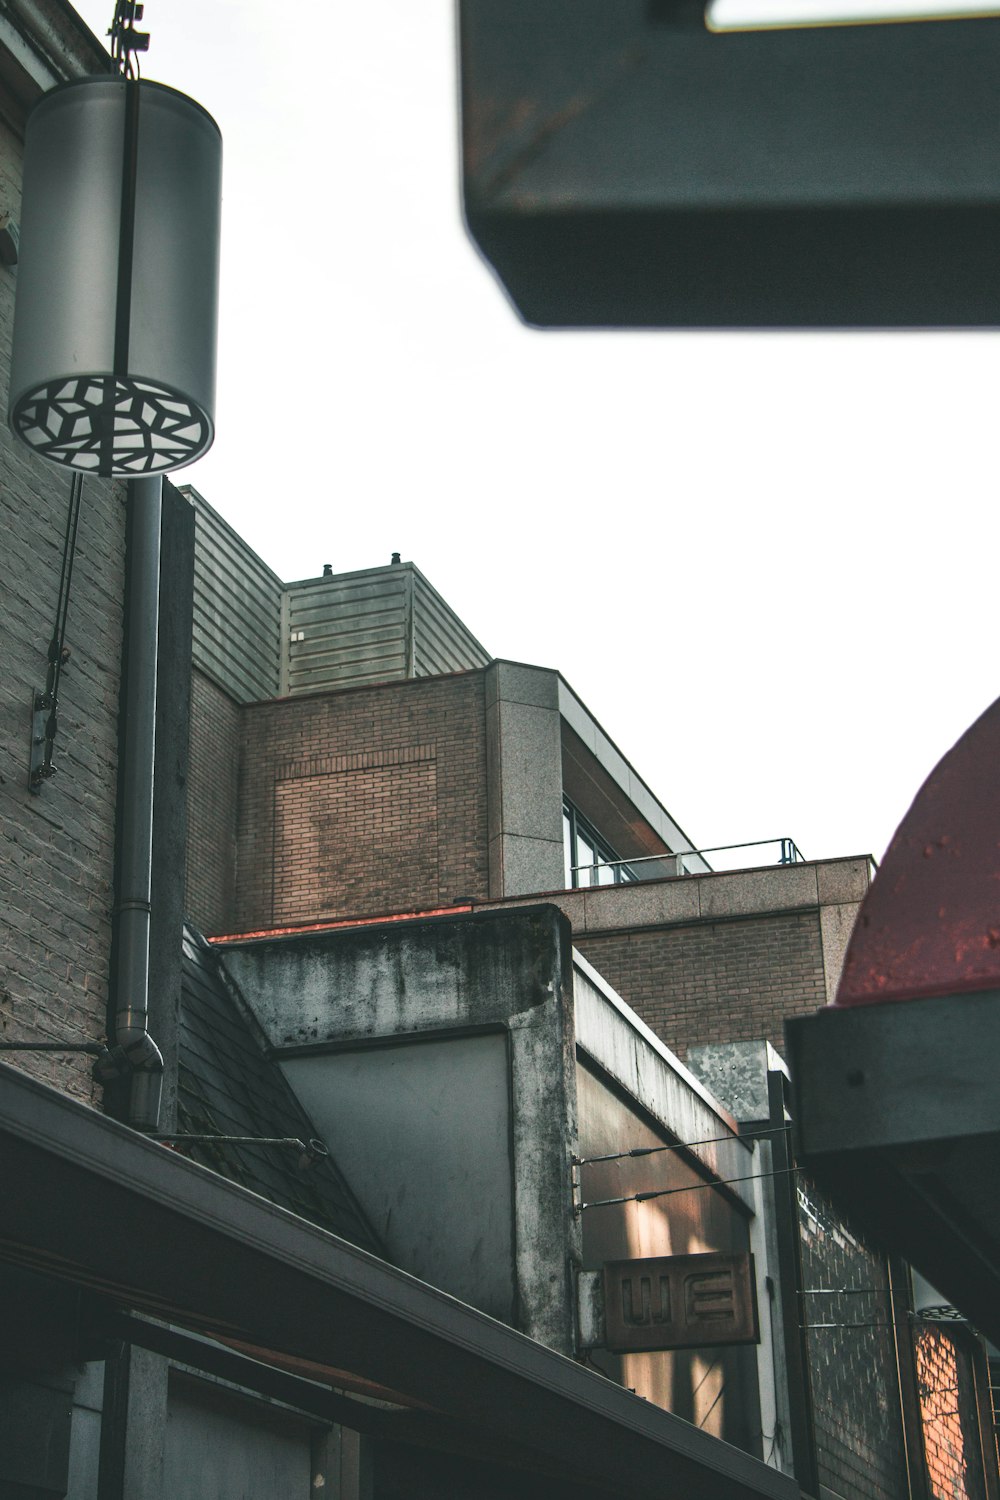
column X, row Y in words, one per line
column 91, row 1202
column 897, row 1101
column 898, row 1114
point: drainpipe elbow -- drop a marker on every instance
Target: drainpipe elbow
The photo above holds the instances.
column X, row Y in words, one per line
column 145, row 1064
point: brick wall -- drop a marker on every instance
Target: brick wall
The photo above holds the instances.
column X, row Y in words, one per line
column 852, row 1357
column 715, row 981
column 56, row 848
column 953, row 1449
column 362, row 801
column 213, row 777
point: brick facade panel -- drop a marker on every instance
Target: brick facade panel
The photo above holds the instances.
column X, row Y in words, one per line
column 852, row 1356
column 949, row 1420
column 362, row 801
column 56, row 848
column 348, row 838
column 715, row 981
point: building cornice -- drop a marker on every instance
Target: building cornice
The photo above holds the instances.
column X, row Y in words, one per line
column 42, row 43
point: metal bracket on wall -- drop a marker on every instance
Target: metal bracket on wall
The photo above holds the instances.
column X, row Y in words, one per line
column 40, row 765
column 310, row 1151
column 10, row 238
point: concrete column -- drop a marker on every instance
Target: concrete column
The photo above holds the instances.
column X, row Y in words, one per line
column 524, row 780
column 842, row 885
column 133, row 1425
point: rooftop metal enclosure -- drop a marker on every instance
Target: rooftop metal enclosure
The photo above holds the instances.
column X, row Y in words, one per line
column 376, row 625
column 623, row 166
column 260, row 638
column 237, row 609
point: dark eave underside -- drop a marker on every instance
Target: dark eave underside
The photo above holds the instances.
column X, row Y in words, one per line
column 88, row 1201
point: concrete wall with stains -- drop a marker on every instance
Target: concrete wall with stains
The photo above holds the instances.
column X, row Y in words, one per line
column 440, row 1060
column 437, row 1057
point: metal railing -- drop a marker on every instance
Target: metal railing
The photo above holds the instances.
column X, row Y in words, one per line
column 660, row 866
column 786, row 850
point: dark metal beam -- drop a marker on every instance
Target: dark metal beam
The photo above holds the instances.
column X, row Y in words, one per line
column 623, row 167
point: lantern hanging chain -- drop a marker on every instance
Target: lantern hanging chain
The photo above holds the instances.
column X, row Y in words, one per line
column 58, row 652
column 125, row 40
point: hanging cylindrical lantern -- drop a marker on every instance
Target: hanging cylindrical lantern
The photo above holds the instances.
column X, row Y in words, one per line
column 113, row 367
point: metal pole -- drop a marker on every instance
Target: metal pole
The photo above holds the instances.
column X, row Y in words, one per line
column 136, row 845
column 790, row 1273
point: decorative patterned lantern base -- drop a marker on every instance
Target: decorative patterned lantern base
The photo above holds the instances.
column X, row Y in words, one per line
column 105, row 425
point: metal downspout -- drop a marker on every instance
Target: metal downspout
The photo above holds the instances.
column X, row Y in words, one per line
column 135, row 869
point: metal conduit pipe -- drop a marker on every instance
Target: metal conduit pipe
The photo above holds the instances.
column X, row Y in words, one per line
column 135, row 870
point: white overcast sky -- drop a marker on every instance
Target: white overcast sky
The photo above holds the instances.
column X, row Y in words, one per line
column 766, row 562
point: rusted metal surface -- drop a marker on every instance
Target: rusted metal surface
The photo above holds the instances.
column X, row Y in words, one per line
column 930, row 923
column 680, row 1302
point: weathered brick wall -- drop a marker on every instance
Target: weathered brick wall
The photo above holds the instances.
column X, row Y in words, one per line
column 953, row 1449
column 852, row 1357
column 56, row 848
column 213, row 777
column 362, row 801
column 715, row 981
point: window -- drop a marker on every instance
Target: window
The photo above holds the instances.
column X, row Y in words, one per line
column 590, row 860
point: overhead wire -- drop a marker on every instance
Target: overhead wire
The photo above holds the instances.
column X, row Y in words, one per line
column 692, row 1187
column 711, row 1140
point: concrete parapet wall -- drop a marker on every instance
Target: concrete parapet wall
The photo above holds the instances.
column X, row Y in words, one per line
column 423, row 994
column 721, row 957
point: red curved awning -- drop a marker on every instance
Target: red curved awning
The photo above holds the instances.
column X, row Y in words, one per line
column 930, row 923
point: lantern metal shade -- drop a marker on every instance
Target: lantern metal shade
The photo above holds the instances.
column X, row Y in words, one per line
column 113, row 363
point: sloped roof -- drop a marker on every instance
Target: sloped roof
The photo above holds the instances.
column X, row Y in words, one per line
column 228, row 1085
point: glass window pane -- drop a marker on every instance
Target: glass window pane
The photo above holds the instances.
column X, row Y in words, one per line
column 585, row 855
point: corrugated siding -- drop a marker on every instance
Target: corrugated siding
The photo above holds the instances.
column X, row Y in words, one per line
column 259, row 638
column 441, row 642
column 354, row 628
column 237, row 610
